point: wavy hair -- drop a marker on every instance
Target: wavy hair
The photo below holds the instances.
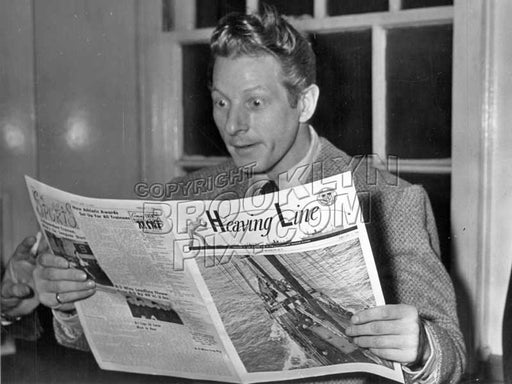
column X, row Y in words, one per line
column 268, row 33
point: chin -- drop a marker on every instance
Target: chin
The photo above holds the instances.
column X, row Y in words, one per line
column 254, row 165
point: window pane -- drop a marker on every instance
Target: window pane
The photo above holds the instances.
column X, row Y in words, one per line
column 344, row 112
column 287, row 7
column 346, row 7
column 419, row 92
column 200, row 133
column 438, row 188
column 406, row 4
column 208, row 12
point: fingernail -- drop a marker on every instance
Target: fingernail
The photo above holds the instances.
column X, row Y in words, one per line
column 83, row 275
column 355, row 319
column 26, row 293
column 91, row 283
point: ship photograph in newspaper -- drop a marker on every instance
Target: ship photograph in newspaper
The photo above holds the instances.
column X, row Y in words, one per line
column 291, row 311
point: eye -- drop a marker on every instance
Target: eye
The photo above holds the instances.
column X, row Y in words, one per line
column 256, row 103
column 220, row 103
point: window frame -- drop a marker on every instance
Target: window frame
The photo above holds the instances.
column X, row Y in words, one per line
column 378, row 23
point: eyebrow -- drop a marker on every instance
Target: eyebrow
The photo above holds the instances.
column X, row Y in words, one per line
column 255, row 88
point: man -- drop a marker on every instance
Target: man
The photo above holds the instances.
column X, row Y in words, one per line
column 18, row 299
column 263, row 92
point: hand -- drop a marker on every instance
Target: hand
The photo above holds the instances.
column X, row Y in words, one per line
column 60, row 286
column 18, row 297
column 392, row 332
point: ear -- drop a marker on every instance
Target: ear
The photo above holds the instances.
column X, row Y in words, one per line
column 307, row 102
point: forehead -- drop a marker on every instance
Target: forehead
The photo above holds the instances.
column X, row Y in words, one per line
column 246, row 72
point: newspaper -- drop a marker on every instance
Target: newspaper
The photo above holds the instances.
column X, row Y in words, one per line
column 249, row 290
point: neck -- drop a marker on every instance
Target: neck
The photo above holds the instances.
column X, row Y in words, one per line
column 303, row 142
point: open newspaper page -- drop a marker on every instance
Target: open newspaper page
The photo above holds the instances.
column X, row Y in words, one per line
column 286, row 272
column 247, row 290
column 147, row 315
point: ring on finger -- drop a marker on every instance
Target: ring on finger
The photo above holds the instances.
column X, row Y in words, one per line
column 59, row 300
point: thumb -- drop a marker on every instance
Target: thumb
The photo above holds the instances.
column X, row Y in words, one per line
column 19, row 291
column 25, row 245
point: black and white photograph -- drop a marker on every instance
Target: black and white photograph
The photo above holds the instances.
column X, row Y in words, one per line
column 79, row 256
column 302, row 305
column 143, row 308
column 182, row 101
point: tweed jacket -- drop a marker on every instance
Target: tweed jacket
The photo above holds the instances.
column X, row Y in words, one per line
column 404, row 241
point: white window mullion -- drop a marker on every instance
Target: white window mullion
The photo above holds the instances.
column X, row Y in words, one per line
column 410, row 17
column 379, row 91
column 184, row 15
column 252, row 6
column 395, row 5
column 320, row 10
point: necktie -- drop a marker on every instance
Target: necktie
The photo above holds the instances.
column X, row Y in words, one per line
column 269, row 187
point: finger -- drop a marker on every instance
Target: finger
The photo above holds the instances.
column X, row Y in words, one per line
column 13, row 295
column 9, row 303
column 17, row 291
column 27, row 243
column 23, row 248
column 71, row 297
column 43, row 246
column 58, row 274
column 63, row 286
column 49, row 260
column 388, row 327
column 66, row 299
column 384, row 312
column 48, row 296
column 387, row 342
column 397, row 355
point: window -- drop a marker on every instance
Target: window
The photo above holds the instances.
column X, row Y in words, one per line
column 384, row 71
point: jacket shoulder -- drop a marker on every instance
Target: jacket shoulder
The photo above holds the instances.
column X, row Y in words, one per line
column 366, row 174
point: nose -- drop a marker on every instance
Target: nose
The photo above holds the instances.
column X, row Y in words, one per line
column 237, row 120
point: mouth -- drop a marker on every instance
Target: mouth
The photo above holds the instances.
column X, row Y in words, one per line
column 241, row 148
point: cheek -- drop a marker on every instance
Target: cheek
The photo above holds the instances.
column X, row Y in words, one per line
column 287, row 132
column 219, row 120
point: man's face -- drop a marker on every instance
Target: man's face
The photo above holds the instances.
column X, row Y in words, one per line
column 253, row 114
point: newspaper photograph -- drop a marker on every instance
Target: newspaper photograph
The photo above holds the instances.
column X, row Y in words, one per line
column 290, row 311
column 249, row 290
column 79, row 255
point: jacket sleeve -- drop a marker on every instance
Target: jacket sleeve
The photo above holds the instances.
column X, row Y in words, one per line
column 411, row 272
column 27, row 328
column 69, row 331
